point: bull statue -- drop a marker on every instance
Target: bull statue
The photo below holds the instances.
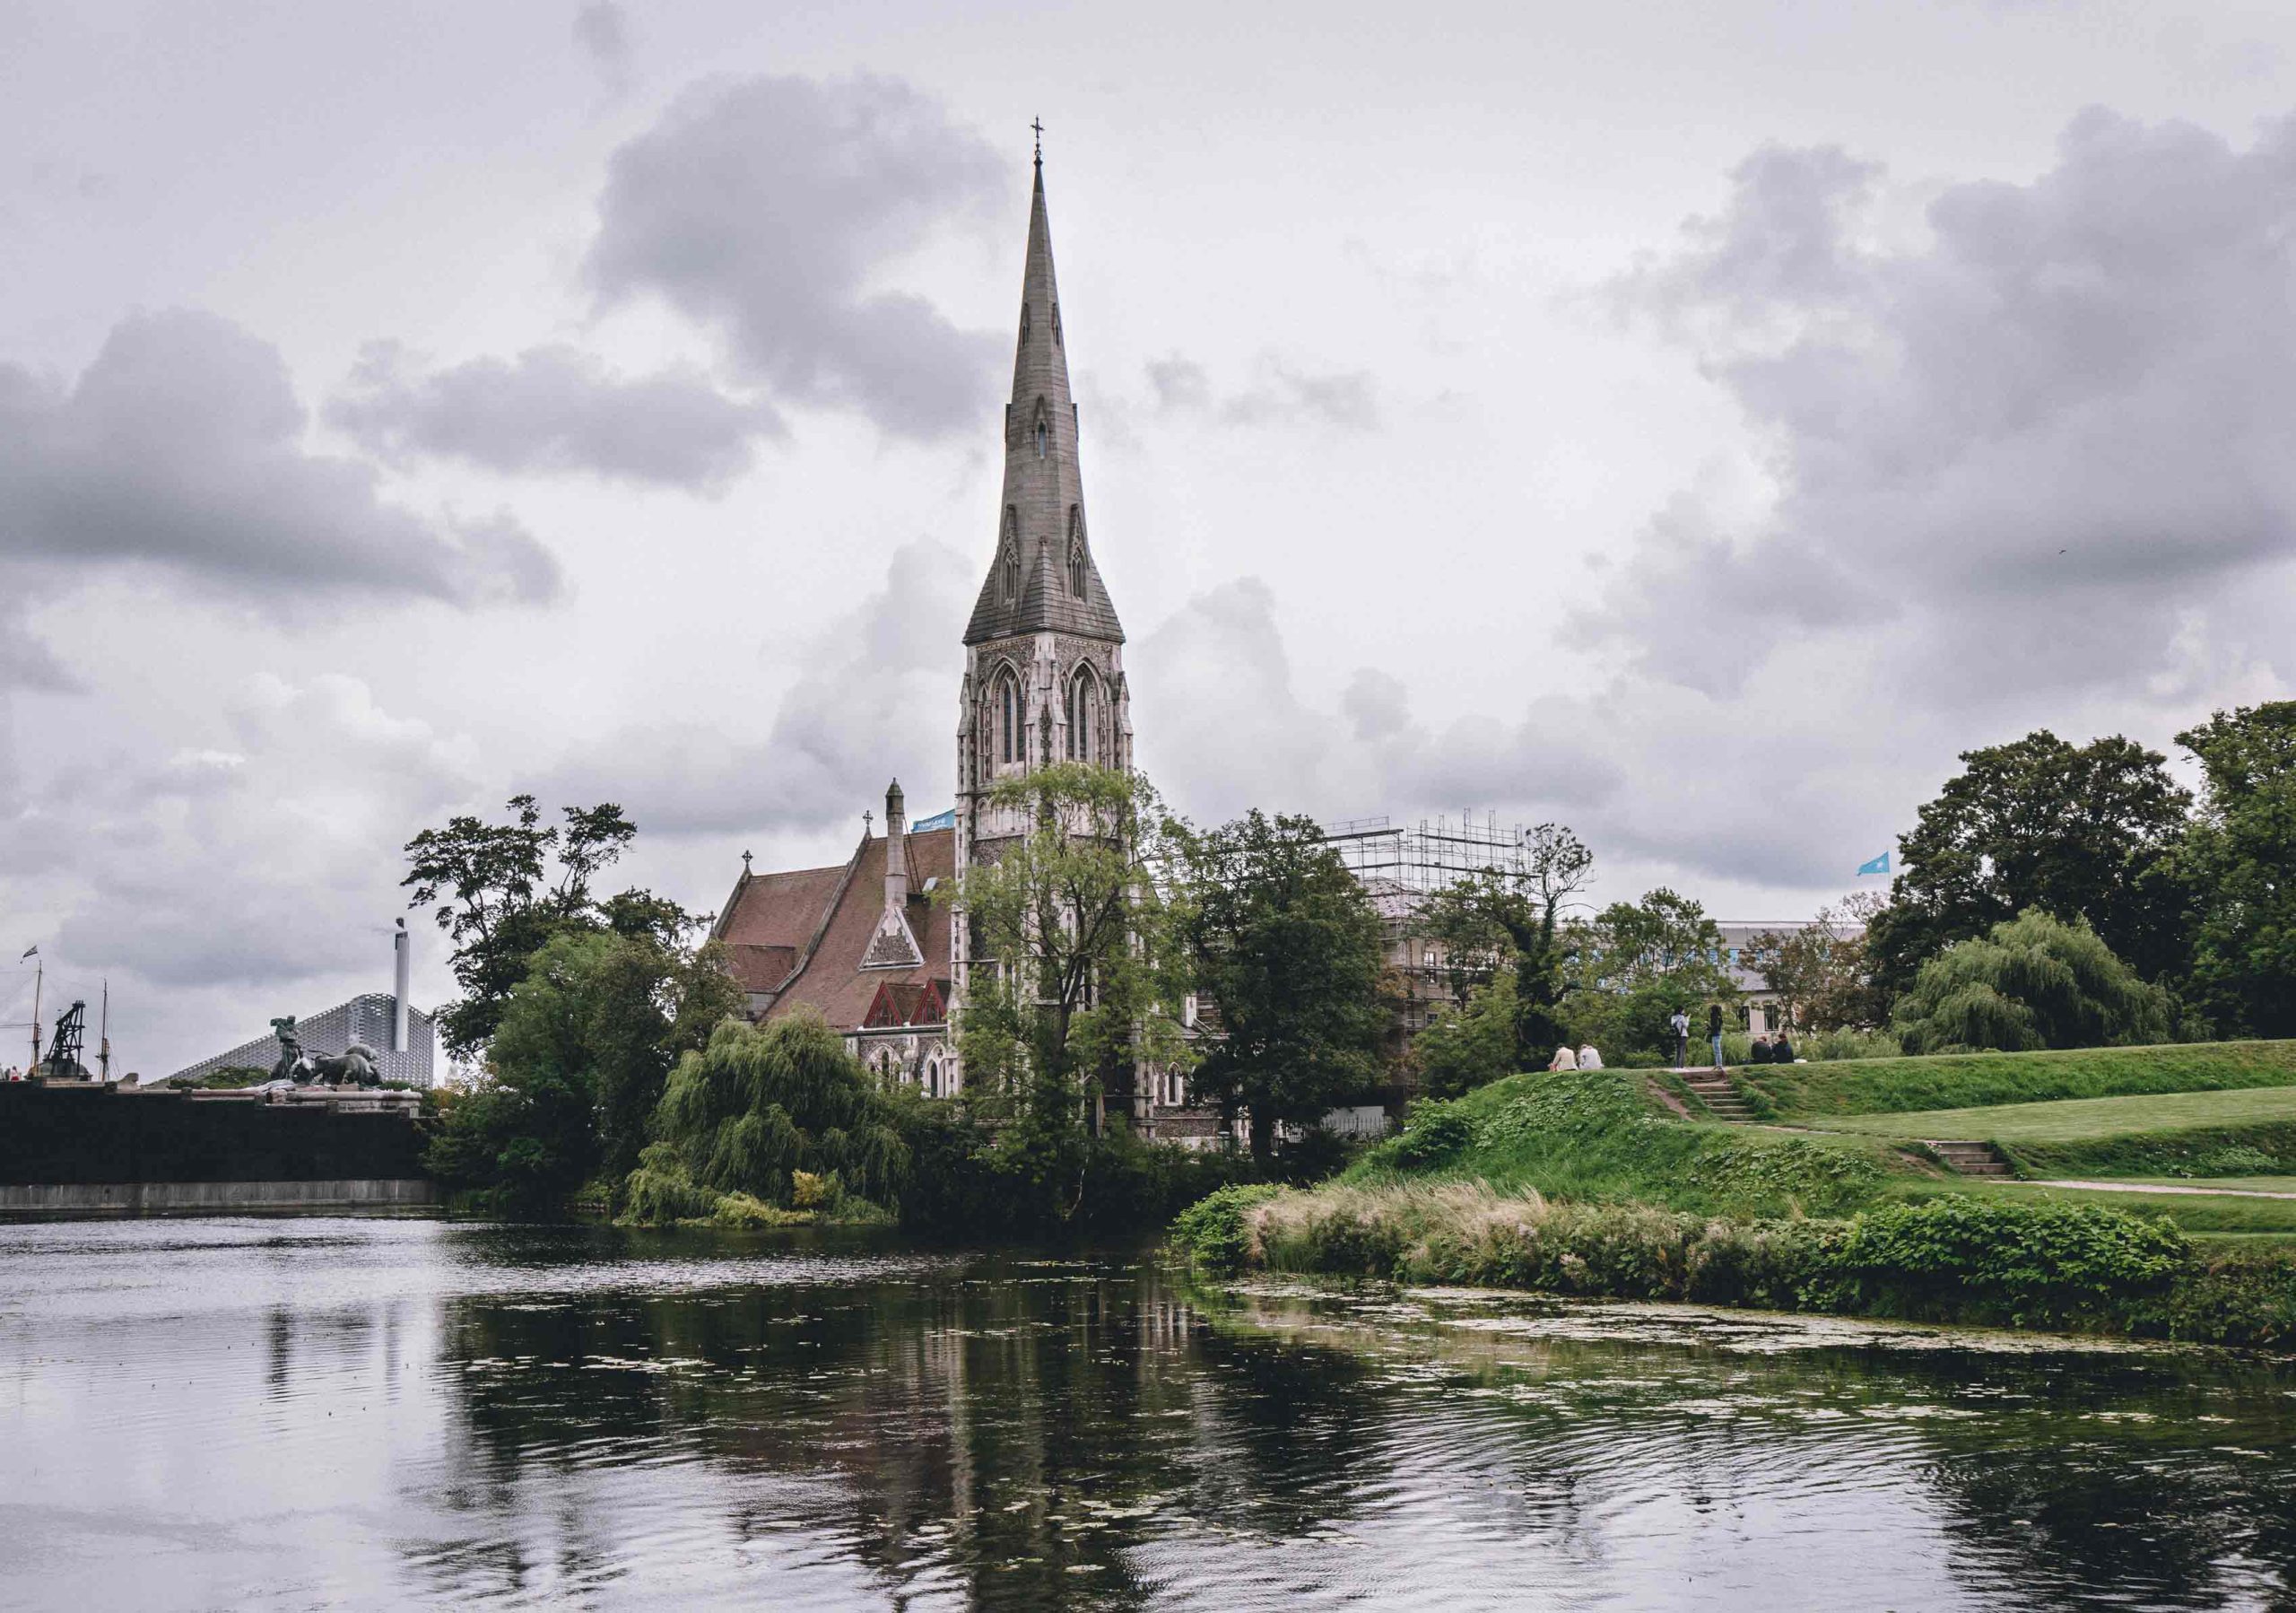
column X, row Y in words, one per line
column 356, row 1064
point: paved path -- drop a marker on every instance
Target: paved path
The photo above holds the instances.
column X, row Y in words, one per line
column 2155, row 1187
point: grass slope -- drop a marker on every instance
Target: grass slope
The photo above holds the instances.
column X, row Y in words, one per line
column 1595, row 1137
column 1968, row 1080
column 2082, row 1120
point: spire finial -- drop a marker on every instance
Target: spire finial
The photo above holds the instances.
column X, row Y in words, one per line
column 1037, row 125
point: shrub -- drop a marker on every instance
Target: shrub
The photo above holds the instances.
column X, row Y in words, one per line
column 1214, row 1232
column 1437, row 1134
column 2030, row 1262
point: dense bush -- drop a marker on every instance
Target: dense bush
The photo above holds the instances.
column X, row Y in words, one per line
column 1951, row 1259
column 2035, row 981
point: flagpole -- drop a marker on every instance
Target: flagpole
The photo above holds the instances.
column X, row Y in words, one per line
column 39, row 973
column 104, row 1037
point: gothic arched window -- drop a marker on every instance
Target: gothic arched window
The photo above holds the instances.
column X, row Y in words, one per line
column 1008, row 718
column 1076, row 551
column 1044, row 430
column 1009, row 563
column 1024, row 324
column 1081, row 715
column 1056, row 324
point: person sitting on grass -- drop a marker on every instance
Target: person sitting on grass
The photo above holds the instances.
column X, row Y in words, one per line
column 1588, row 1057
column 1564, row 1059
column 1760, row 1052
column 1781, row 1052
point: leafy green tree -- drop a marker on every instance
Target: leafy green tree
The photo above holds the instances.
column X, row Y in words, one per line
column 2085, row 831
column 1078, row 971
column 2036, row 981
column 1821, row 973
column 579, row 1059
column 1285, row 941
column 504, row 890
column 1636, row 963
column 2241, row 856
column 755, row 1107
column 1511, row 918
column 1473, row 1045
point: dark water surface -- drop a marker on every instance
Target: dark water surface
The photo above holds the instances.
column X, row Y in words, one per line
column 391, row 1413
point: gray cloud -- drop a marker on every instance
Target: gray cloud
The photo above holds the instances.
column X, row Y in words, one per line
column 2026, row 442
column 178, row 447
column 876, row 699
column 1279, row 394
column 602, row 29
column 552, row 409
column 771, row 209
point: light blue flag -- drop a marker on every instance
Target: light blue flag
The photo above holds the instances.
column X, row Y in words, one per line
column 1880, row 865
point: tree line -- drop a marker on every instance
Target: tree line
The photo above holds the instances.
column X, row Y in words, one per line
column 2051, row 895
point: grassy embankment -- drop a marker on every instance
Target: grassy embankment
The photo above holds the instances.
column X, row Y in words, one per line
column 2185, row 1135
column 1811, row 1092
column 1581, row 1183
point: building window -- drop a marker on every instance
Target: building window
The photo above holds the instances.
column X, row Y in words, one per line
column 1008, row 718
column 1044, row 429
column 1056, row 324
column 1080, row 715
column 1009, row 563
column 1075, row 551
column 1024, row 325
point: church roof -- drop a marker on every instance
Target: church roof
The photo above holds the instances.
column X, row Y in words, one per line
column 1029, row 588
column 823, row 920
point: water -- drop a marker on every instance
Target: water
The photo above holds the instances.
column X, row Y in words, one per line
column 392, row 1413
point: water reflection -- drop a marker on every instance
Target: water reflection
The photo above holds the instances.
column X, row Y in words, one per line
column 384, row 1412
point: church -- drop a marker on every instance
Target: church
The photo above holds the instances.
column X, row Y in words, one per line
column 863, row 943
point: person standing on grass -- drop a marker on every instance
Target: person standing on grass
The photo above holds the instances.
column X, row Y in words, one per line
column 1714, row 1030
column 1680, row 1025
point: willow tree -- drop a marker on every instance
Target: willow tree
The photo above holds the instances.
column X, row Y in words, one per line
column 1076, row 973
column 2036, row 981
column 756, row 1107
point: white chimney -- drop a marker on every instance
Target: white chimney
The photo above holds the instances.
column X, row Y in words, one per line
column 400, row 961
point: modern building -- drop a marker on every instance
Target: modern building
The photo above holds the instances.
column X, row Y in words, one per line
column 400, row 1034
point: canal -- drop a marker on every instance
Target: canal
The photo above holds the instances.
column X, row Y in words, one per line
column 314, row 1412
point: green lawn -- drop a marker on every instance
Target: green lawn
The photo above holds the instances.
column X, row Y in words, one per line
column 2191, row 1212
column 2080, row 1119
column 1965, row 1080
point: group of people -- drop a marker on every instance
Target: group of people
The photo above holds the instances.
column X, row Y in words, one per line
column 1586, row 1057
column 1766, row 1050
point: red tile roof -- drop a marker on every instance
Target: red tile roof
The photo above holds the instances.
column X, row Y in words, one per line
column 824, row 917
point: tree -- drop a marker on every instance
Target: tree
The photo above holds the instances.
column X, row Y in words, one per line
column 2081, row 831
column 577, row 1062
column 1511, row 918
column 1473, row 1045
column 2036, row 981
column 1636, row 963
column 1077, row 967
column 503, row 903
column 755, row 1108
column 1820, row 974
column 1284, row 938
column 2241, row 855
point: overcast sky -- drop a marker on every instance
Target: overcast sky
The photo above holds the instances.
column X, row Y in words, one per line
column 1694, row 423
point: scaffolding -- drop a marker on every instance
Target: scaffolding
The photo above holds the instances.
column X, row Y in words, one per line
column 1388, row 858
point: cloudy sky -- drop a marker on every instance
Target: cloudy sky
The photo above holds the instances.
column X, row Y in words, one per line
column 1692, row 423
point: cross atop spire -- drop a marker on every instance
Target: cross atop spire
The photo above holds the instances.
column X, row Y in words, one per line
column 1037, row 125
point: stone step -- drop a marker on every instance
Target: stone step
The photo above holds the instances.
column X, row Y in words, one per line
column 1969, row 1158
column 1722, row 1099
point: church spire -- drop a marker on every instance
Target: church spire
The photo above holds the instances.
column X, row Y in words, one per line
column 1042, row 578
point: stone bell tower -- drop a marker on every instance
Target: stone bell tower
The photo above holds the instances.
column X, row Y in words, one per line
column 1044, row 652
